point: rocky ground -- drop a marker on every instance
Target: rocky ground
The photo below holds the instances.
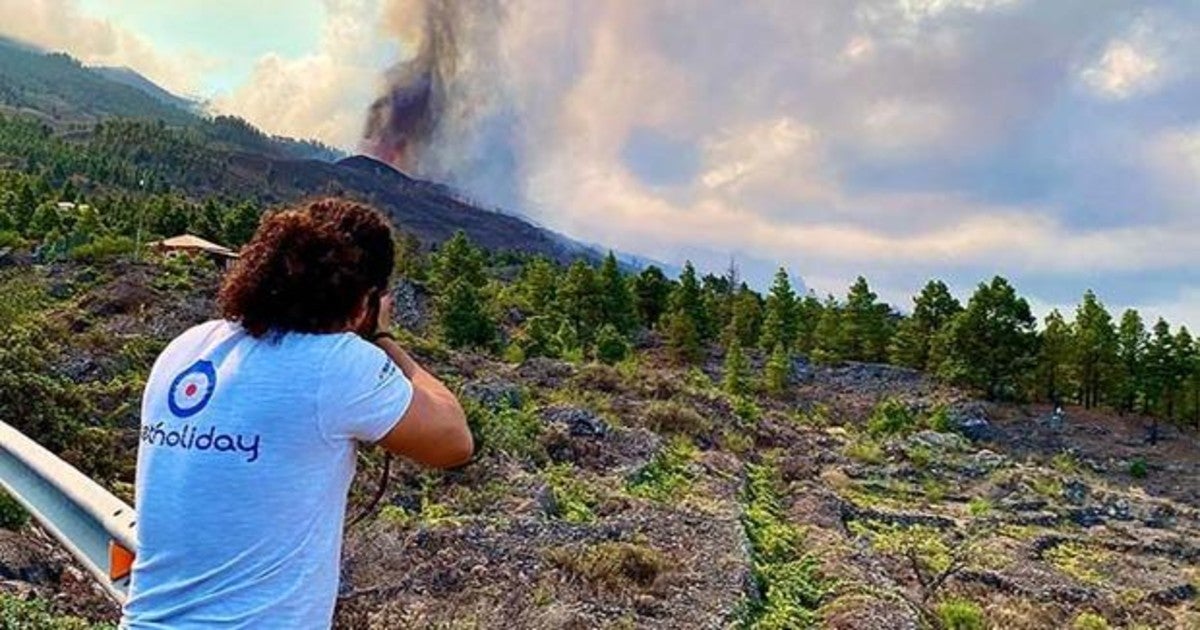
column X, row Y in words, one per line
column 641, row 496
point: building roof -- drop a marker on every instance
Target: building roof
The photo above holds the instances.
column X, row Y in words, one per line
column 187, row 241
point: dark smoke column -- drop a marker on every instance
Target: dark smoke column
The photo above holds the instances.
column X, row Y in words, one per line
column 402, row 122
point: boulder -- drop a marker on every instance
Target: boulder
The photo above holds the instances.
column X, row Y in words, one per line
column 937, row 441
column 579, row 422
column 971, row 420
column 1075, row 491
column 494, row 393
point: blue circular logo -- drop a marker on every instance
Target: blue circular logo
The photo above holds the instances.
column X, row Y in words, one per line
column 191, row 390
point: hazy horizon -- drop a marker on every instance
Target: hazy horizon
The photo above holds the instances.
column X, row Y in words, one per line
column 1057, row 144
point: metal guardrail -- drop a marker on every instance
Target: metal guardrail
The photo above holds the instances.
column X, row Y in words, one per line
column 95, row 526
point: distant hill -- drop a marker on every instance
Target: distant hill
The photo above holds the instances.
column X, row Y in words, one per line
column 66, row 94
column 132, row 78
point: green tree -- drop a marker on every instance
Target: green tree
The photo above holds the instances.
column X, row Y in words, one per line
column 991, row 345
column 617, row 302
column 456, row 259
column 1132, row 340
column 736, row 375
column 810, row 311
column 652, row 293
column 611, row 345
column 239, row 223
column 745, row 317
column 463, row 317
column 779, row 319
column 1160, row 371
column 1054, row 357
column 538, row 285
column 866, row 327
column 688, row 319
column 1095, row 350
column 933, row 308
column 827, row 338
column 581, row 302
column 778, row 370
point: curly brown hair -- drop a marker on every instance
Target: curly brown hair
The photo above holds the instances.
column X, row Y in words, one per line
column 308, row 269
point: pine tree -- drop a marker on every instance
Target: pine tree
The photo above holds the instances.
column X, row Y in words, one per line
column 688, row 319
column 1183, row 364
column 809, row 310
column 239, row 224
column 652, row 292
column 457, row 259
column 538, row 285
column 827, row 342
column 933, row 308
column 683, row 340
column 1095, row 350
column 463, row 319
column 736, row 377
column 866, row 329
column 991, row 345
column 1160, row 383
column 745, row 317
column 779, row 319
column 581, row 302
column 1132, row 340
column 1054, row 357
column 538, row 336
column 778, row 370
column 617, row 303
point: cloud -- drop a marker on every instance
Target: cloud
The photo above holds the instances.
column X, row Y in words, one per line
column 323, row 94
column 62, row 26
column 895, row 138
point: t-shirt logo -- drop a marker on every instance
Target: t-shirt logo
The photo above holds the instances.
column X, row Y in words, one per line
column 191, row 390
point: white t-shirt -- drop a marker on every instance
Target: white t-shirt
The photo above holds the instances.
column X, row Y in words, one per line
column 246, row 454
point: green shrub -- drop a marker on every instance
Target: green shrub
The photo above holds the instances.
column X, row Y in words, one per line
column 746, row 409
column 573, row 499
column 979, row 506
column 666, row 477
column 611, row 345
column 891, row 417
column 674, row 417
column 1138, row 468
column 788, row 579
column 939, row 420
column 509, row 430
column 12, row 514
column 102, row 249
column 35, row 614
column 865, row 450
column 960, row 614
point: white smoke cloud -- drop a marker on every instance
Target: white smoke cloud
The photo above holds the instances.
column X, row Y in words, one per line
column 60, row 25
column 321, row 95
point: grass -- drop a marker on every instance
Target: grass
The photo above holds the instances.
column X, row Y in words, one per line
column 1078, row 561
column 1090, row 621
column 960, row 614
column 666, row 477
column 612, row 565
column 789, row 580
column 1065, row 463
column 673, row 417
column 513, row 431
column 891, row 417
column 979, row 506
column 865, row 450
column 574, row 500
column 35, row 614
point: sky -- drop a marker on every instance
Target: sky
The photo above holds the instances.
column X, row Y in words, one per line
column 1054, row 142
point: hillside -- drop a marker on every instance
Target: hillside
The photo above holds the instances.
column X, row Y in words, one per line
column 644, row 495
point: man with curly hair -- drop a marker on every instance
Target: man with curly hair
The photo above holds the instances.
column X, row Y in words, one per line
column 250, row 425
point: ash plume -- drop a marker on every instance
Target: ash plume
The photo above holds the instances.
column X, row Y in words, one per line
column 438, row 91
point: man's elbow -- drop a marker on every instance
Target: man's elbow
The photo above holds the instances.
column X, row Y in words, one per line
column 458, row 449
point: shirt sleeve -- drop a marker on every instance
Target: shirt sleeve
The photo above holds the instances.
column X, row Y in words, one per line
column 362, row 394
